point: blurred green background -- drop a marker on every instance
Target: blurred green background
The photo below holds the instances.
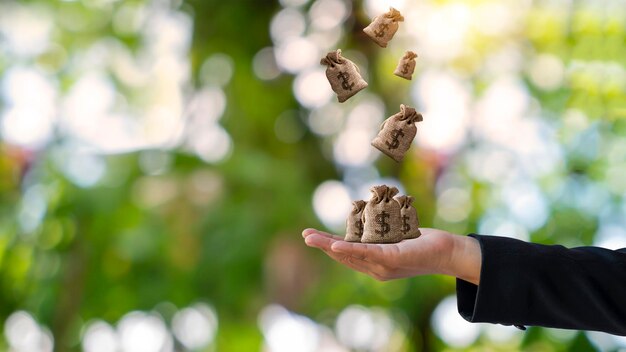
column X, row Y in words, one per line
column 159, row 159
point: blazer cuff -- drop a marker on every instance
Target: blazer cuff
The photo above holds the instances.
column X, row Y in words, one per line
column 498, row 298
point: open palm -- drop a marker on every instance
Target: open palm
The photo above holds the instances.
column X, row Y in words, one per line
column 431, row 253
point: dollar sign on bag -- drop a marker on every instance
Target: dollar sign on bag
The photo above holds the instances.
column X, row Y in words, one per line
column 381, row 219
column 405, row 225
column 344, row 81
column 359, row 226
column 405, row 68
column 381, row 30
column 395, row 143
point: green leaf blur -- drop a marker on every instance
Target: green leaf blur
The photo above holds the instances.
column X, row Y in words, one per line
column 175, row 160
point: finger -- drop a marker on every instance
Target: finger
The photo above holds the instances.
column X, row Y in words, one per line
column 368, row 252
column 307, row 232
column 320, row 241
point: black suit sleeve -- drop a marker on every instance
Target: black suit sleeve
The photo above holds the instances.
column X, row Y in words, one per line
column 532, row 284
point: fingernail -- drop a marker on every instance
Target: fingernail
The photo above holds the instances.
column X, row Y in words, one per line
column 307, row 232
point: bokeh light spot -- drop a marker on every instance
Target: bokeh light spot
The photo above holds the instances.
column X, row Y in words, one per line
column 311, row 88
column 451, row 327
column 264, row 64
column 332, row 203
column 217, row 70
column 100, row 337
column 195, row 327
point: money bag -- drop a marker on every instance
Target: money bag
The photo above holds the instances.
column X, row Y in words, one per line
column 354, row 224
column 406, row 66
column 383, row 27
column 397, row 133
column 408, row 216
column 343, row 75
column 381, row 217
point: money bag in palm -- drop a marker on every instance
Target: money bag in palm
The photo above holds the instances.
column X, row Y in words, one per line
column 408, row 216
column 397, row 133
column 354, row 224
column 343, row 75
column 381, row 217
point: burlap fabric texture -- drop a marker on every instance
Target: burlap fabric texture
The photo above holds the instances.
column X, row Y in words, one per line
column 381, row 217
column 343, row 75
column 383, row 27
column 406, row 65
column 397, row 133
column 354, row 224
column 408, row 216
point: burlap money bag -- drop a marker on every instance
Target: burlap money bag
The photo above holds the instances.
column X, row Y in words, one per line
column 381, row 217
column 354, row 224
column 343, row 75
column 406, row 65
column 383, row 27
column 409, row 222
column 397, row 133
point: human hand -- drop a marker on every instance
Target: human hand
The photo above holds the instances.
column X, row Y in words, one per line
column 435, row 252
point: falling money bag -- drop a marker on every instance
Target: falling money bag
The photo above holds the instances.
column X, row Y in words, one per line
column 383, row 27
column 343, row 75
column 409, row 224
column 397, row 133
column 381, row 217
column 354, row 224
column 406, row 66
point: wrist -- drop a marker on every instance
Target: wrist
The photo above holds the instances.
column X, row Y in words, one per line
column 465, row 259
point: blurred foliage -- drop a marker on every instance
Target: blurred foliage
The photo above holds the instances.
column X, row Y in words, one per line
column 228, row 232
